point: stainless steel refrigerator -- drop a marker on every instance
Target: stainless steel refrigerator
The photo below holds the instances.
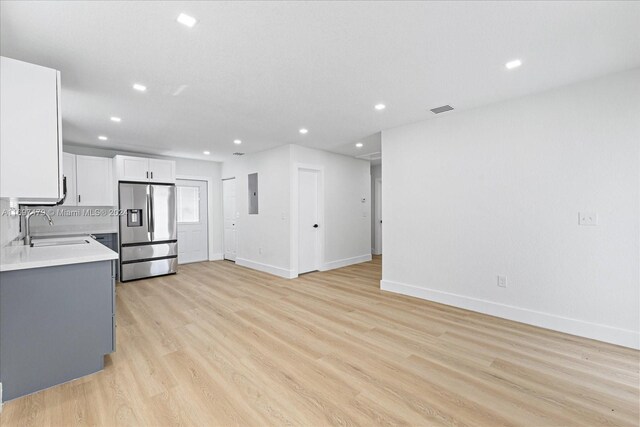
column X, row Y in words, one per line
column 148, row 232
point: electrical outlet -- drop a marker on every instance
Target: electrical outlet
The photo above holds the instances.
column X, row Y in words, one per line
column 502, row 281
column 587, row 218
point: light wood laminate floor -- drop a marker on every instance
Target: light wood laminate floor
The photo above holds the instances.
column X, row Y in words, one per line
column 222, row 345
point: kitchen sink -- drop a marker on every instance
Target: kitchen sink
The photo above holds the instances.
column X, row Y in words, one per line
column 47, row 242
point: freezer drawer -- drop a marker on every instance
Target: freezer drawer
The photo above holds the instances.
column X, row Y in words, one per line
column 139, row 270
column 158, row 250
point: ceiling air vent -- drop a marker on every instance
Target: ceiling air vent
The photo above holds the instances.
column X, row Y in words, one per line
column 238, row 154
column 442, row 109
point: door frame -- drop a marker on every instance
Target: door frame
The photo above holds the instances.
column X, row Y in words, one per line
column 377, row 214
column 295, row 216
column 222, row 197
column 210, row 255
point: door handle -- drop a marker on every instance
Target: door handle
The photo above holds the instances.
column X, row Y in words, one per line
column 152, row 214
column 149, row 214
column 315, row 225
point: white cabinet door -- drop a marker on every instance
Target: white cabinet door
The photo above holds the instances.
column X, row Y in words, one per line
column 94, row 181
column 132, row 168
column 162, row 171
column 30, row 135
column 69, row 171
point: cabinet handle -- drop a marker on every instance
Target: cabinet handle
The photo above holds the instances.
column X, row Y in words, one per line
column 78, row 198
column 147, row 174
column 151, row 174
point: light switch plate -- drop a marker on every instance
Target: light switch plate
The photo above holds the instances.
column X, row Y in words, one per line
column 587, row 218
column 502, row 281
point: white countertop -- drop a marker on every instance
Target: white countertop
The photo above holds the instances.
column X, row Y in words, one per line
column 24, row 257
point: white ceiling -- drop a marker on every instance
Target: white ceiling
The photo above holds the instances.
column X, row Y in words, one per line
column 258, row 71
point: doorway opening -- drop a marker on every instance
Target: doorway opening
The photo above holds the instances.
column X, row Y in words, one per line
column 377, row 226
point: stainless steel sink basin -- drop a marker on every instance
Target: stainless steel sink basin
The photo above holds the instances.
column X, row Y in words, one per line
column 47, row 242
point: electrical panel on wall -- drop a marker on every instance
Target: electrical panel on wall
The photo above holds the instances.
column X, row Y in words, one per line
column 253, row 193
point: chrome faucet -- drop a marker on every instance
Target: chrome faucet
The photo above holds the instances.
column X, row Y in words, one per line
column 27, row 232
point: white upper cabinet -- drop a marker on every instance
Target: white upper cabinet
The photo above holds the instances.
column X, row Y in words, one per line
column 163, row 171
column 132, row 168
column 142, row 169
column 31, row 132
column 94, row 181
column 89, row 180
column 69, row 172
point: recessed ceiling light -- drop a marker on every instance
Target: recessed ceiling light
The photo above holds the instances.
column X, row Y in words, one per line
column 102, row 138
column 303, row 131
column 139, row 87
column 513, row 64
column 206, row 152
column 237, row 141
column 116, row 119
column 359, row 145
column 187, row 20
column 380, row 107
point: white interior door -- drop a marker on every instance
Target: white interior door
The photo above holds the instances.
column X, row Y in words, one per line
column 308, row 256
column 191, row 210
column 230, row 218
column 378, row 217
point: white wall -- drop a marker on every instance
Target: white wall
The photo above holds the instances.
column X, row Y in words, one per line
column 263, row 239
column 497, row 190
column 347, row 221
column 184, row 168
column 269, row 241
column 376, row 173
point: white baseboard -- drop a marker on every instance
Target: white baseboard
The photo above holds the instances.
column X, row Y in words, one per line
column 271, row 269
column 216, row 257
column 596, row 331
column 345, row 262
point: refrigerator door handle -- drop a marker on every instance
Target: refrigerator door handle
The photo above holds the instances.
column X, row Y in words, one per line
column 151, row 212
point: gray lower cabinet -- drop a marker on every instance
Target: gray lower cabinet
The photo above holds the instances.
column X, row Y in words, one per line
column 56, row 324
column 110, row 240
